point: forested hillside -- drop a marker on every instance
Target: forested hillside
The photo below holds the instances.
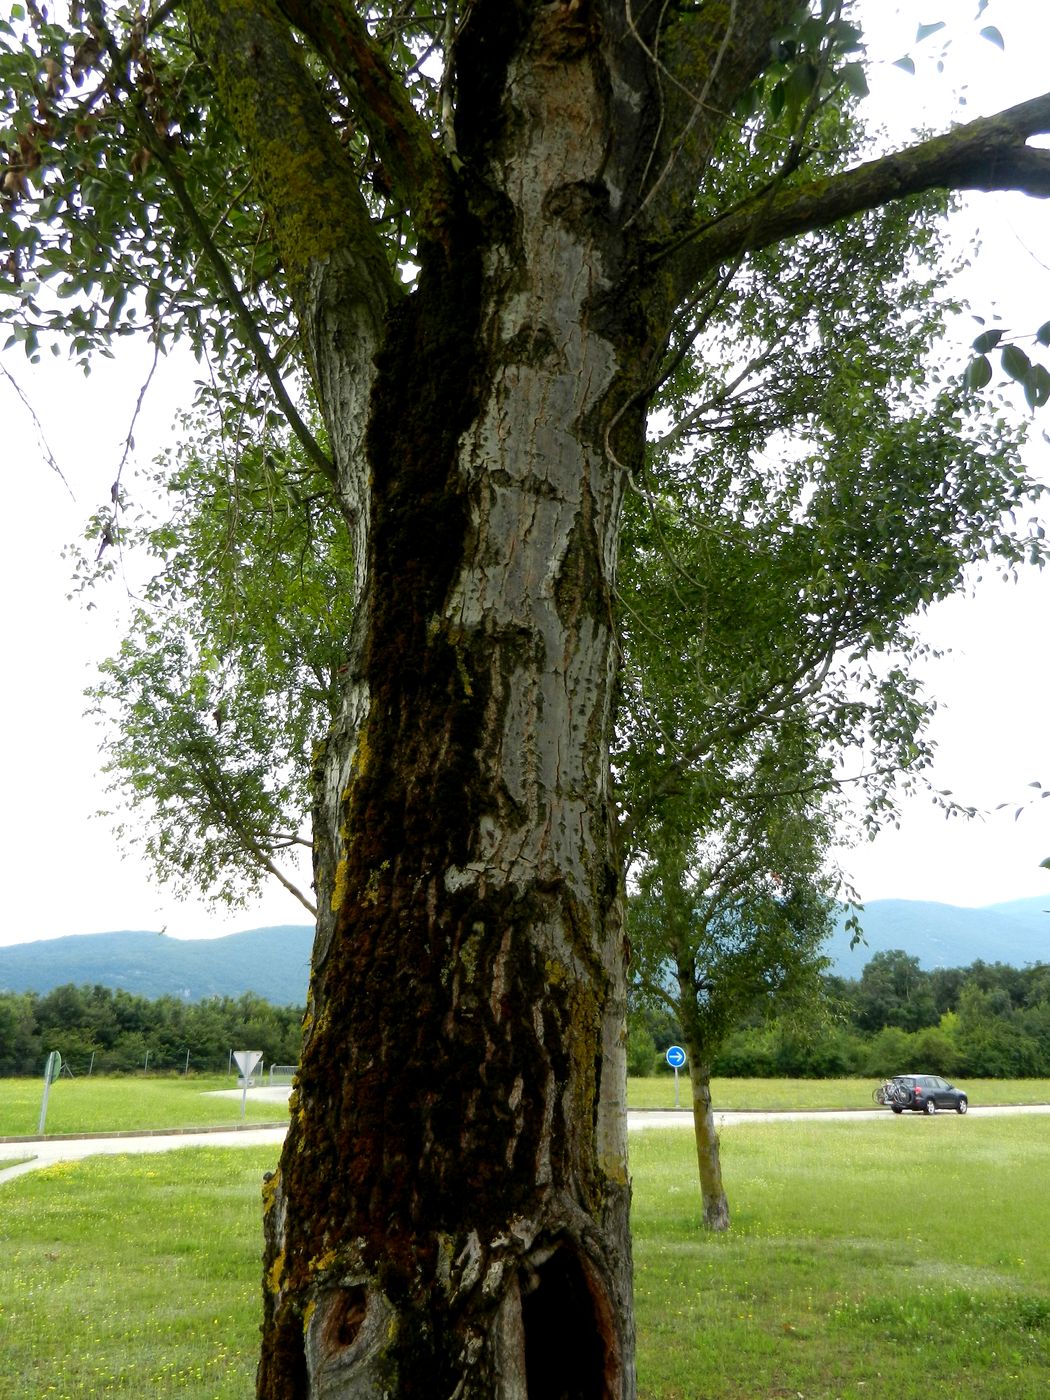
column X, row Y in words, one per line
column 946, row 935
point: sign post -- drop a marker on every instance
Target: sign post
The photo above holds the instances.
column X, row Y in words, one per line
column 675, row 1057
column 247, row 1060
column 52, row 1070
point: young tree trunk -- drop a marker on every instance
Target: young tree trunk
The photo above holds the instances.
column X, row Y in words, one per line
column 708, row 1157
column 450, row 1216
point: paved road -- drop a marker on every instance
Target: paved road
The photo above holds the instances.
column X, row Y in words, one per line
column 681, row 1118
column 46, row 1151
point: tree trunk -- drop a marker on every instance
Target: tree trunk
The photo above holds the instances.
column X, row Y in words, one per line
column 708, row 1156
column 450, row 1216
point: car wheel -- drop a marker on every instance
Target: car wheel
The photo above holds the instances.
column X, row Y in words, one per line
column 961, row 1106
column 896, row 1108
column 929, row 1106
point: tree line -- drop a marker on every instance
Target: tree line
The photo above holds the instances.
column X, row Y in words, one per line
column 987, row 1020
column 102, row 1031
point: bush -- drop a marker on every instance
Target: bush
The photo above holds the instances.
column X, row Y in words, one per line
column 641, row 1048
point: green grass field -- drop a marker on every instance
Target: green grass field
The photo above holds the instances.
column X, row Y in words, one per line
column 905, row 1257
column 865, row 1259
column 132, row 1276
column 99, row 1105
column 772, row 1094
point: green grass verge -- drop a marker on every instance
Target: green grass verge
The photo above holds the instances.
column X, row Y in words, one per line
column 101, row 1105
column 905, row 1257
column 133, row 1276
column 98, row 1104
column 772, row 1094
column 866, row 1259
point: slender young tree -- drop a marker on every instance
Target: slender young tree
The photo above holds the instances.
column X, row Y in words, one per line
column 732, row 904
column 476, row 232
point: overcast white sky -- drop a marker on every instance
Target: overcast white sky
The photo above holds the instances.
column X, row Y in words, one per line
column 61, row 869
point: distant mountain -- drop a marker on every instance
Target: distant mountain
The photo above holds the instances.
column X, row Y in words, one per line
column 945, row 935
column 275, row 962
column 271, row 962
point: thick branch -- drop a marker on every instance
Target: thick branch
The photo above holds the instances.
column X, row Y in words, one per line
column 304, row 177
column 988, row 154
column 222, row 270
column 411, row 158
column 702, row 61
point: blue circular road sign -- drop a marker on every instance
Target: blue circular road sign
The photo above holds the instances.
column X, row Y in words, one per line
column 675, row 1056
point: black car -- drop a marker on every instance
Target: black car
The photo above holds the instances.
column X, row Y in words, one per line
column 922, row 1093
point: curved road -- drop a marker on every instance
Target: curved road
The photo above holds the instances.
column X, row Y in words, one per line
column 46, row 1151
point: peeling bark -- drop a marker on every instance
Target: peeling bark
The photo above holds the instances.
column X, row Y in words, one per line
column 450, row 1217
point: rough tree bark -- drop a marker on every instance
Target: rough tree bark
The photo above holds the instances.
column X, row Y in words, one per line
column 450, row 1214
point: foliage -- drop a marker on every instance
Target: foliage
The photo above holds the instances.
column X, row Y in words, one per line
column 815, row 487
column 985, row 1020
column 228, row 676
column 730, row 924
column 114, row 1031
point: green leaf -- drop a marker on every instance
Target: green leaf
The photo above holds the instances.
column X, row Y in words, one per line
column 978, row 373
column 987, row 340
column 906, row 63
column 925, row 30
column 1016, row 363
column 1042, row 335
column 1037, row 386
column 993, row 36
column 798, row 86
column 854, row 77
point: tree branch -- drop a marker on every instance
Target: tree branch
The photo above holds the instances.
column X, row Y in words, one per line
column 239, row 306
column 411, row 158
column 988, row 154
column 304, row 178
column 221, row 268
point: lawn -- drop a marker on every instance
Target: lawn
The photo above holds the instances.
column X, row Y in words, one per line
column 98, row 1105
column 888, row 1256
column 772, row 1094
column 872, row 1259
column 133, row 1276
